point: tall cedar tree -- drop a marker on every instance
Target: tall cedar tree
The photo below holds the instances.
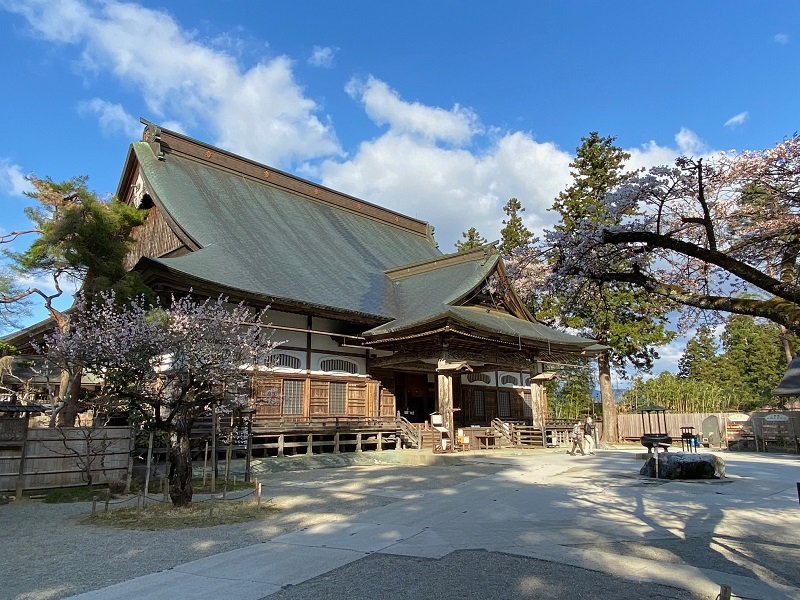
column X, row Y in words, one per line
column 699, row 359
column 753, row 360
column 472, row 240
column 514, row 235
column 80, row 238
column 615, row 314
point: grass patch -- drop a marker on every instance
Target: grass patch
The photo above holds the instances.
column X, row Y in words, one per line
column 158, row 516
column 74, row 494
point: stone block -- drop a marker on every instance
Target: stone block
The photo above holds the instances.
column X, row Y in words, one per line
column 685, row 466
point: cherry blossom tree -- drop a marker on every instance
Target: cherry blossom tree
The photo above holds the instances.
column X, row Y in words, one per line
column 166, row 366
column 720, row 235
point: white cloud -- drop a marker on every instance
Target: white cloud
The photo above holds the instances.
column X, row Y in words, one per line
column 385, row 107
column 322, row 56
column 12, row 179
column 781, row 38
column 113, row 118
column 260, row 112
column 737, row 119
column 669, row 355
column 651, row 154
column 450, row 187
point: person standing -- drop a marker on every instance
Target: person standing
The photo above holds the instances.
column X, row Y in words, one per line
column 588, row 435
column 577, row 439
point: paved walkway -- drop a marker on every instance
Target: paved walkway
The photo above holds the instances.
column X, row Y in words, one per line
column 544, row 525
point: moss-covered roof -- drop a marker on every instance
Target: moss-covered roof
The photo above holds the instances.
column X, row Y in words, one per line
column 250, row 228
column 442, row 290
column 268, row 241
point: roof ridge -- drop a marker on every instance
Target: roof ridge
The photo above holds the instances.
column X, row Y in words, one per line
column 488, row 251
column 165, row 142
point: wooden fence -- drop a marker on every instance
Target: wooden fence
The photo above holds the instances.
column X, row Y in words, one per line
column 68, row 456
column 630, row 425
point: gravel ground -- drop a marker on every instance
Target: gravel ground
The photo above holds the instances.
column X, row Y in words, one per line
column 471, row 575
column 48, row 554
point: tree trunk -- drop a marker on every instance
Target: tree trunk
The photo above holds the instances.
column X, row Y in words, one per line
column 69, row 412
column 180, row 464
column 610, row 425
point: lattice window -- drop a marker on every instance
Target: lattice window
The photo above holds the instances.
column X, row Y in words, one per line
column 478, row 405
column 338, row 398
column 527, row 405
column 292, row 397
column 509, row 380
column 338, row 365
column 286, row 360
column 483, row 377
column 503, row 404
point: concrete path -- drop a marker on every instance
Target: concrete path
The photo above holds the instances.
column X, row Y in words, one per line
column 557, row 519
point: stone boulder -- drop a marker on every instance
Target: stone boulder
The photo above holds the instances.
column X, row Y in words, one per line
column 685, row 466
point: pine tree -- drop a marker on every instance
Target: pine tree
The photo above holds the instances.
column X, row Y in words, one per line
column 78, row 237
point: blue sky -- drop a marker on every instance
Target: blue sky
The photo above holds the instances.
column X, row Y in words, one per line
column 442, row 110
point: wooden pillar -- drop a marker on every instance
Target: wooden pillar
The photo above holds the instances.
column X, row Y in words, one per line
column 445, row 401
column 20, row 487
column 538, row 416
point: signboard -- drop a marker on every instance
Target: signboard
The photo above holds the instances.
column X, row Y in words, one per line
column 738, row 418
column 776, row 417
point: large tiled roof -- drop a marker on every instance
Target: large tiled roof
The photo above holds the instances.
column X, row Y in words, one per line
column 250, row 228
column 266, row 240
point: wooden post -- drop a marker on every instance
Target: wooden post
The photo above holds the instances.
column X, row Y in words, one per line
column 213, row 448
column 336, row 442
column 724, row 592
column 258, row 495
column 149, row 462
column 108, row 499
column 380, row 441
column 205, row 464
column 280, row 445
column 445, row 402
column 131, row 448
column 249, row 454
column 310, row 444
column 229, row 452
column 358, row 442
column 94, row 505
column 20, row 487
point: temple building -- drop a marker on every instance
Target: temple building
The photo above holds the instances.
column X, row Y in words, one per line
column 378, row 323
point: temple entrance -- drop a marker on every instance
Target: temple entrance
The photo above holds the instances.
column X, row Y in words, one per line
column 415, row 396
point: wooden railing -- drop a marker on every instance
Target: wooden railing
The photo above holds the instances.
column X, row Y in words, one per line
column 314, row 442
column 510, row 433
column 412, row 432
